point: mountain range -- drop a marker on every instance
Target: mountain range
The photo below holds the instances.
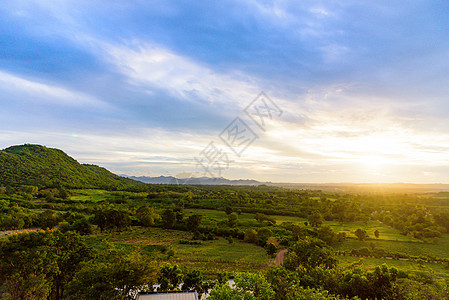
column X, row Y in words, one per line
column 194, row 180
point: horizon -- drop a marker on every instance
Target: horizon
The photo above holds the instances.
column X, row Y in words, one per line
column 338, row 92
column 192, row 175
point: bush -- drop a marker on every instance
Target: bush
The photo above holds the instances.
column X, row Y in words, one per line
column 187, row 242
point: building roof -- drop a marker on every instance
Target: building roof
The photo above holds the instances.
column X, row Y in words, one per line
column 190, row 295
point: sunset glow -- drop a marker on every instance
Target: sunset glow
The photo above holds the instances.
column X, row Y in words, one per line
column 360, row 99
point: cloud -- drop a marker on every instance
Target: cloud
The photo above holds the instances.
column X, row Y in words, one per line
column 155, row 67
column 33, row 91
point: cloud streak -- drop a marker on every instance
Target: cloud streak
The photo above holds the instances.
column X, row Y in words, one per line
column 34, row 91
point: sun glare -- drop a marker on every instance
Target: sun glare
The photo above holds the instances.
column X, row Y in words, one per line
column 374, row 162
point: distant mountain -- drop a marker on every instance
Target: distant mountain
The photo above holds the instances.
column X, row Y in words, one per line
column 47, row 167
column 194, row 180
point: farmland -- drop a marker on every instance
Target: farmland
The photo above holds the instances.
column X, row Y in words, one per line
column 217, row 232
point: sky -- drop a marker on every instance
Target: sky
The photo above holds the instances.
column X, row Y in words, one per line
column 281, row 91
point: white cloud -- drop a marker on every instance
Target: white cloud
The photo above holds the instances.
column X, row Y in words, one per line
column 155, row 67
column 33, row 91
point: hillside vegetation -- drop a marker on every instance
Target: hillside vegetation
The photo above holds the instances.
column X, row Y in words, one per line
column 46, row 167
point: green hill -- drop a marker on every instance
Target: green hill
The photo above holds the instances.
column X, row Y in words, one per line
column 47, row 167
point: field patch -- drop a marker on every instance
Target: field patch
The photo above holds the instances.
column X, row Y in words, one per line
column 210, row 257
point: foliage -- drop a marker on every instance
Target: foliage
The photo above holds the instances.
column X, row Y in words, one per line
column 118, row 276
column 111, row 218
column 251, row 236
column 170, row 277
column 310, row 253
column 35, row 165
column 194, row 221
column 316, row 219
column 248, row 286
column 361, row 234
column 169, row 218
column 41, row 261
column 147, row 215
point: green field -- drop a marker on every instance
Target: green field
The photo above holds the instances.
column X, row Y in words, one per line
column 440, row 271
column 90, row 195
column 438, row 250
column 389, row 239
column 210, row 256
column 385, row 232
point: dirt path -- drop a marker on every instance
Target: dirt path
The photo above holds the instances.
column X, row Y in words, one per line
column 8, row 232
column 279, row 260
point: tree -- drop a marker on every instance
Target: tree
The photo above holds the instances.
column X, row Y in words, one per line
column 40, row 263
column 361, row 234
column 309, row 253
column 316, row 219
column 232, row 219
column 48, row 219
column 262, row 217
column 25, row 261
column 248, row 286
column 326, row 234
column 147, row 215
column 194, row 221
column 170, row 276
column 262, row 236
column 297, row 292
column 228, row 210
column 193, row 280
column 69, row 250
column 118, row 219
column 100, row 219
column 111, row 218
column 271, row 249
column 382, row 280
column 250, row 236
column 82, row 226
column 376, row 233
column 223, row 291
column 63, row 194
column 281, row 281
column 377, row 284
column 169, row 218
column 118, row 276
column 256, row 284
column 31, row 288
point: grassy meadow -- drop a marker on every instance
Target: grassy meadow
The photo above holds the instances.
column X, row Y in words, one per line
column 210, row 257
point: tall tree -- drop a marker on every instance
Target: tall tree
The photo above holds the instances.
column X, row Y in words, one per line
column 69, row 250
column 316, row 219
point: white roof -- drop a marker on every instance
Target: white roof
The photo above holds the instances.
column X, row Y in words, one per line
column 169, row 296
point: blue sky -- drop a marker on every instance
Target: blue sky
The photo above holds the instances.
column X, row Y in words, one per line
column 142, row 87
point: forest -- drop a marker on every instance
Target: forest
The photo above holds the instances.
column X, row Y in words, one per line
column 62, row 243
